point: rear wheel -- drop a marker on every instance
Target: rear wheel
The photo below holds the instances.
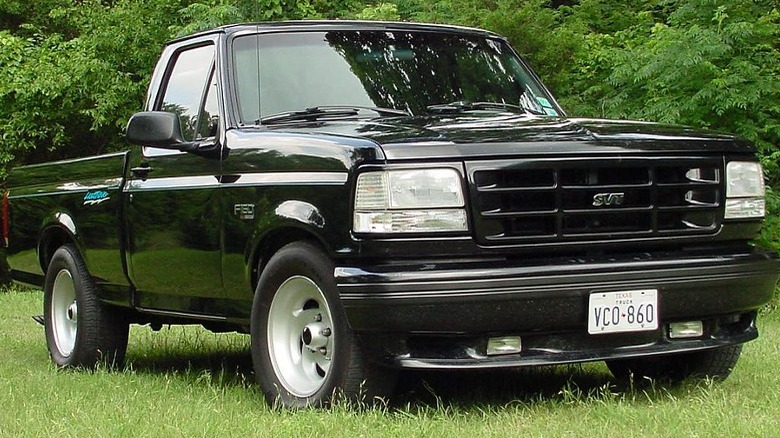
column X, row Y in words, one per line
column 716, row 363
column 303, row 350
column 80, row 330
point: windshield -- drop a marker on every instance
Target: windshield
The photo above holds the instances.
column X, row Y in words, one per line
column 402, row 70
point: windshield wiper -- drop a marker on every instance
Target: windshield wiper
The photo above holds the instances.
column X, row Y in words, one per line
column 308, row 114
column 326, row 112
column 464, row 105
column 379, row 110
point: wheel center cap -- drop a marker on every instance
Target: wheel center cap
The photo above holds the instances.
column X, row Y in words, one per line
column 315, row 335
column 73, row 312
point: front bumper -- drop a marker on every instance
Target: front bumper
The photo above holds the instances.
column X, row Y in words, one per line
column 439, row 315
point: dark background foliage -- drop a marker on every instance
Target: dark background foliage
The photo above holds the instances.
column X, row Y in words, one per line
column 72, row 72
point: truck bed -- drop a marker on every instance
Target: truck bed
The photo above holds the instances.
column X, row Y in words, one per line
column 79, row 200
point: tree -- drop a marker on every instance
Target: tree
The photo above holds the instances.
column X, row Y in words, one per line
column 706, row 63
column 70, row 77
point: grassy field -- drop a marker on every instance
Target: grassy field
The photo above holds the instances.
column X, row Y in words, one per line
column 185, row 381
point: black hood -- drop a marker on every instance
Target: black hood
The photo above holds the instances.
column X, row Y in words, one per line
column 478, row 136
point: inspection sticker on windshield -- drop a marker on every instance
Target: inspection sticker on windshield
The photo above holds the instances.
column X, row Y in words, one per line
column 544, row 102
column 624, row 311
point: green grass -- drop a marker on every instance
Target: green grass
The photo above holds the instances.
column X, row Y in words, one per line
column 185, row 381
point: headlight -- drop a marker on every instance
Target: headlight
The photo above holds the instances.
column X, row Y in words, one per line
column 744, row 190
column 409, row 201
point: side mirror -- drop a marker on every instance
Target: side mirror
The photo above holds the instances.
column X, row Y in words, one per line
column 158, row 129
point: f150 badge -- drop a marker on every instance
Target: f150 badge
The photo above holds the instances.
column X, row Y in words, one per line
column 96, row 197
column 244, row 211
column 608, row 199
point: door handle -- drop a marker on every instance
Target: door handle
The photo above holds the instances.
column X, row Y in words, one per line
column 141, row 171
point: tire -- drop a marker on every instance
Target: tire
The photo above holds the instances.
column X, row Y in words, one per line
column 80, row 330
column 716, row 364
column 303, row 351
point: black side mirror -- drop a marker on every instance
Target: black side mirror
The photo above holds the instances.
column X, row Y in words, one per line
column 158, row 129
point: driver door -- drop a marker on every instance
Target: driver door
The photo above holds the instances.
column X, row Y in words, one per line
column 173, row 203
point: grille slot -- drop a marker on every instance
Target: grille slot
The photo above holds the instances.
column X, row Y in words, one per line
column 576, row 200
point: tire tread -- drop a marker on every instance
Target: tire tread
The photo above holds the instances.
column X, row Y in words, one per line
column 716, row 363
column 102, row 334
column 357, row 380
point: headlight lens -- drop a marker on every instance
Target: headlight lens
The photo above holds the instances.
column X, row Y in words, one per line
column 409, row 201
column 744, row 179
column 744, row 190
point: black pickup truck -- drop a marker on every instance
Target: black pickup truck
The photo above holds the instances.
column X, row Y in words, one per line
column 363, row 197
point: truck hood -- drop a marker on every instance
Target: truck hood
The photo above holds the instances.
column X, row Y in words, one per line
column 446, row 137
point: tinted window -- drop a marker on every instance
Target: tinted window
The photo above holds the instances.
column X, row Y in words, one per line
column 401, row 70
column 208, row 119
column 186, row 85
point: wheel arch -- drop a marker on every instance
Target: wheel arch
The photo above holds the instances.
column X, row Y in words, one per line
column 291, row 220
column 274, row 240
column 60, row 229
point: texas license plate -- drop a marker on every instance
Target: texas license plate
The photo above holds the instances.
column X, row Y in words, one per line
column 624, row 311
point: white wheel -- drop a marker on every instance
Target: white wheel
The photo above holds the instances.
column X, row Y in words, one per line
column 64, row 313
column 300, row 336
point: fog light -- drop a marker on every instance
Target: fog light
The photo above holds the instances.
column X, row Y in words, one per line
column 503, row 345
column 687, row 329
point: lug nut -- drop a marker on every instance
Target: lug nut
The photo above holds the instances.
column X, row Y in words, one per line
column 318, row 317
column 326, row 331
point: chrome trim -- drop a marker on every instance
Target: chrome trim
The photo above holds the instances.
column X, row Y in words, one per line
column 240, row 180
column 172, row 183
column 272, row 178
column 66, row 188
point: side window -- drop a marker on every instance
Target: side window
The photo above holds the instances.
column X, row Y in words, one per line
column 208, row 119
column 186, row 85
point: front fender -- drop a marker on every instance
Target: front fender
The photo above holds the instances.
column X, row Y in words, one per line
column 301, row 212
column 290, row 221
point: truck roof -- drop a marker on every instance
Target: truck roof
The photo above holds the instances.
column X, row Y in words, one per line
column 325, row 25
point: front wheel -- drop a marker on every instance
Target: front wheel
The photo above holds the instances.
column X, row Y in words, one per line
column 304, row 352
column 716, row 363
column 80, row 330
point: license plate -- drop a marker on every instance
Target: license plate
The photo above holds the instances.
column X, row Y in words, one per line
column 624, row 311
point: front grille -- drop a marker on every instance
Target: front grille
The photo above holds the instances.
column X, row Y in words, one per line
column 594, row 199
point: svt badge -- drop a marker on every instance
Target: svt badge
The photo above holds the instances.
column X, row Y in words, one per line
column 608, row 199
